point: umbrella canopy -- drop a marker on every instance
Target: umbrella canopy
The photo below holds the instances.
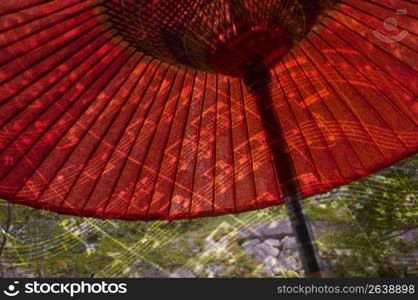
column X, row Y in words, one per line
column 137, row 109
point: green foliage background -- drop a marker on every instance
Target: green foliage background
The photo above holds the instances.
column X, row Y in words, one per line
column 366, row 229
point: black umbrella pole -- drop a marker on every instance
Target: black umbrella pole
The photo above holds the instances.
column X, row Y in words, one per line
column 304, row 236
column 257, row 82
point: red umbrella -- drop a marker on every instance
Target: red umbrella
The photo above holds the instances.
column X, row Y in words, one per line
column 145, row 110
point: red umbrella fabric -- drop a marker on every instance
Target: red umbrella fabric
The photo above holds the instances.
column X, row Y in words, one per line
column 90, row 125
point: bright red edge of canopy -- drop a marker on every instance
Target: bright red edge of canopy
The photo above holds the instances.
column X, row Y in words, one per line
column 91, row 127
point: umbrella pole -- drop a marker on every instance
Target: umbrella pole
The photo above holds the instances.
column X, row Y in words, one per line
column 257, row 82
column 304, row 236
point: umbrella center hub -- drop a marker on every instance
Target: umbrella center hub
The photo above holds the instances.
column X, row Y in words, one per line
column 232, row 57
column 213, row 35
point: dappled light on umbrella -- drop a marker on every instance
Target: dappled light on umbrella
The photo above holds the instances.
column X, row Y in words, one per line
column 145, row 110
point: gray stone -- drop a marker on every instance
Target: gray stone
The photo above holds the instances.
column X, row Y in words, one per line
column 277, row 229
column 289, row 259
column 182, row 272
column 261, row 251
column 289, row 242
column 270, row 266
column 154, row 272
column 272, row 242
column 250, row 243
